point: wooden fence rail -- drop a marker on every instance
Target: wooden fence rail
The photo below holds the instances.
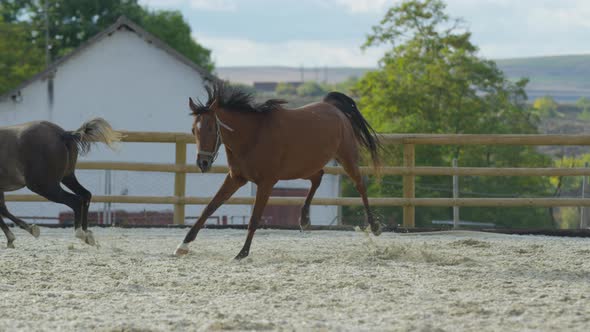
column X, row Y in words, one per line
column 408, row 172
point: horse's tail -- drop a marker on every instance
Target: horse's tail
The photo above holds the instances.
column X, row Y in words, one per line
column 365, row 134
column 96, row 130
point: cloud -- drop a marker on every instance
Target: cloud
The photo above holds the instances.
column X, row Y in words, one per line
column 501, row 28
column 214, row 5
column 205, row 5
column 310, row 53
column 364, row 6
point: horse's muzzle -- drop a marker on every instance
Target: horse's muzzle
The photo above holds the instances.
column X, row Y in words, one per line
column 204, row 164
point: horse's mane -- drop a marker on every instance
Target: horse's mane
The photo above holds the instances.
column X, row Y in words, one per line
column 232, row 98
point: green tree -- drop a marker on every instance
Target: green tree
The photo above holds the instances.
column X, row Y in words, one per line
column 171, row 27
column 19, row 57
column 546, row 107
column 72, row 22
column 431, row 80
column 584, row 105
column 310, row 89
column 285, row 89
column 347, row 86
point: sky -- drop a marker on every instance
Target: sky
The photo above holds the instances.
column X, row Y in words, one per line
column 330, row 32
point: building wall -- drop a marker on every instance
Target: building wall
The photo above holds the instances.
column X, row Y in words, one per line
column 135, row 86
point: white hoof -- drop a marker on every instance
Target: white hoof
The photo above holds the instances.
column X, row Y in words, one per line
column 35, row 231
column 377, row 231
column 11, row 239
column 80, row 234
column 90, row 239
column 181, row 250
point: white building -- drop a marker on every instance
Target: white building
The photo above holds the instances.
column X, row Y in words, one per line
column 138, row 83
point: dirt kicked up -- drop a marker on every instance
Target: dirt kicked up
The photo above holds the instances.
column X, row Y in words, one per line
column 293, row 281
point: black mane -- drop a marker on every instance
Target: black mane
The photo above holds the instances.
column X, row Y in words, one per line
column 232, row 98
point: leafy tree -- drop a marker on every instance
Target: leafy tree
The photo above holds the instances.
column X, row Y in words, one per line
column 171, row 27
column 431, row 80
column 310, row 89
column 546, row 107
column 11, row 10
column 584, row 104
column 347, row 86
column 570, row 186
column 285, row 89
column 72, row 22
column 19, row 57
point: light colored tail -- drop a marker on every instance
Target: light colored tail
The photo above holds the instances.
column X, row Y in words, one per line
column 96, row 130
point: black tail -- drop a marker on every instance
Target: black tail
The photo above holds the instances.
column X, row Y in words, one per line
column 365, row 134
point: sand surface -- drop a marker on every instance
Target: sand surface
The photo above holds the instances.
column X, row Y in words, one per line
column 320, row 281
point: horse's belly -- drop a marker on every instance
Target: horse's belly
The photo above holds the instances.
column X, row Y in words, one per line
column 303, row 170
column 11, row 179
column 14, row 184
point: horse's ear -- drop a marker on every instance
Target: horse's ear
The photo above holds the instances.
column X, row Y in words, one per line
column 192, row 105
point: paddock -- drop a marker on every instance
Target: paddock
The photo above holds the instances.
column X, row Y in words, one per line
column 319, row 280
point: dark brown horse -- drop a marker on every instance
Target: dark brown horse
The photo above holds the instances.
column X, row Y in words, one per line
column 40, row 156
column 266, row 143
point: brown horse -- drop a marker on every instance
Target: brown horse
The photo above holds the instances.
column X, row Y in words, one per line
column 41, row 155
column 266, row 143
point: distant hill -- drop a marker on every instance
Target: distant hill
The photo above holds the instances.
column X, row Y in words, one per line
column 249, row 75
column 566, row 78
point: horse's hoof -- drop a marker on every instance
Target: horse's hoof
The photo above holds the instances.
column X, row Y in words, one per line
column 181, row 250
column 35, row 231
column 376, row 230
column 10, row 237
column 80, row 234
column 241, row 256
column 90, row 239
column 304, row 228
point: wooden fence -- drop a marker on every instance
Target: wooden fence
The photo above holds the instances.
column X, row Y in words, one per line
column 408, row 172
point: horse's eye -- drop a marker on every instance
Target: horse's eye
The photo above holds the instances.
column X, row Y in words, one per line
column 193, row 130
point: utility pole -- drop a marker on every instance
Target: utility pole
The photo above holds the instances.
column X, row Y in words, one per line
column 47, row 45
column 48, row 61
column 302, row 73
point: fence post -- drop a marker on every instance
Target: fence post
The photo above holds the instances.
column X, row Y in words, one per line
column 409, row 185
column 455, row 196
column 584, row 209
column 179, row 183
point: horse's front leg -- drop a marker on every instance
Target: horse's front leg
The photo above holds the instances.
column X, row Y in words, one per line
column 33, row 229
column 262, row 195
column 9, row 236
column 228, row 188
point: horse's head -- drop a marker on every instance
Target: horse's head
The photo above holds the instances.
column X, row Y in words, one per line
column 206, row 131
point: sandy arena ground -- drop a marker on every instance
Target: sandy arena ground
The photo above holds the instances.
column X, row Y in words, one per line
column 291, row 281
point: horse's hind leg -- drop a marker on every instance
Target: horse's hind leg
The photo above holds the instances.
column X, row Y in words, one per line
column 9, row 236
column 351, row 168
column 316, row 179
column 72, row 183
column 33, row 229
column 55, row 193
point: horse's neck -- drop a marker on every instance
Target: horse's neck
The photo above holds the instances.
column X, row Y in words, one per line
column 239, row 131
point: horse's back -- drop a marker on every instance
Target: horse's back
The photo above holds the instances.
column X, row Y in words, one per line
column 33, row 148
column 307, row 137
column 11, row 166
